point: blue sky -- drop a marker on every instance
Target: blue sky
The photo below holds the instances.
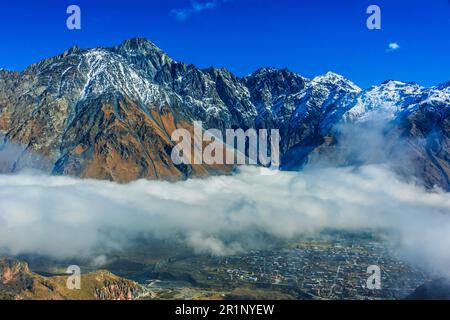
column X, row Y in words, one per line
column 310, row 37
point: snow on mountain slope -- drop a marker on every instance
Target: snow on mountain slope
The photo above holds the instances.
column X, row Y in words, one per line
column 135, row 94
column 110, row 72
column 384, row 101
column 336, row 82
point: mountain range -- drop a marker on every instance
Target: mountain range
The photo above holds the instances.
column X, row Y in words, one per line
column 108, row 113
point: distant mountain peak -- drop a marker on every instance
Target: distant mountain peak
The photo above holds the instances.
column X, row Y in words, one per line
column 331, row 78
column 397, row 84
column 144, row 54
column 143, row 47
column 445, row 85
column 139, row 43
column 271, row 71
column 264, row 70
column 72, row 50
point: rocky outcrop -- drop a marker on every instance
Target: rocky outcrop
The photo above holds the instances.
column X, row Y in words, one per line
column 118, row 290
column 17, row 282
column 15, row 276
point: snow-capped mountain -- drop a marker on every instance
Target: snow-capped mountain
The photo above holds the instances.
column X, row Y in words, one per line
column 385, row 100
column 108, row 113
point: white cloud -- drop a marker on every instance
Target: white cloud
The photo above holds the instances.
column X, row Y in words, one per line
column 194, row 8
column 393, row 46
column 65, row 217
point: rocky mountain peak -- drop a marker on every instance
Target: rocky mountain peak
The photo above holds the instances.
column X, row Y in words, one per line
column 139, row 44
column 274, row 83
column 271, row 72
column 393, row 85
column 336, row 81
column 444, row 86
column 220, row 72
column 73, row 50
column 145, row 55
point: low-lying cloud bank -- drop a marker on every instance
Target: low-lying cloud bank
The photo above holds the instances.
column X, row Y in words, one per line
column 65, row 217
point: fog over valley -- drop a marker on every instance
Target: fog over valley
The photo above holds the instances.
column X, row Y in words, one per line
column 64, row 217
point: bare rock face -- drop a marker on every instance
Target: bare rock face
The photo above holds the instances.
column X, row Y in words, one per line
column 120, row 289
column 108, row 113
column 16, row 279
column 430, row 121
column 13, row 272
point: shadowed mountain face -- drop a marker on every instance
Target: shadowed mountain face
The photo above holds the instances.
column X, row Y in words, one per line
column 108, row 113
column 438, row 289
